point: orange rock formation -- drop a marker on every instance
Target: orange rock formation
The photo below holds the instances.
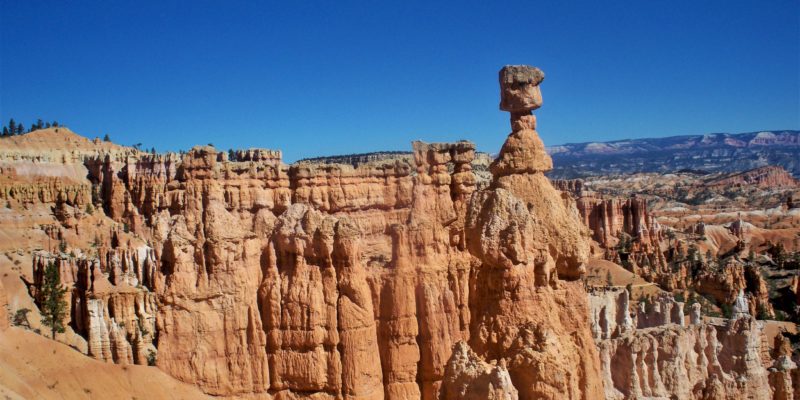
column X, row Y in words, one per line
column 395, row 279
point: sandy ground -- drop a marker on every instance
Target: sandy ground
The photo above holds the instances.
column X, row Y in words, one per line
column 34, row 367
column 597, row 271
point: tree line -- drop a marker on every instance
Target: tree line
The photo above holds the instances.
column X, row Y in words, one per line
column 14, row 128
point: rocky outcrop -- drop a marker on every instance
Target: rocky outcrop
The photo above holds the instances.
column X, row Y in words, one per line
column 729, row 282
column 610, row 312
column 572, row 186
column 524, row 235
column 117, row 317
column 662, row 310
column 783, row 373
column 470, row 378
column 663, row 358
column 610, row 218
column 629, row 235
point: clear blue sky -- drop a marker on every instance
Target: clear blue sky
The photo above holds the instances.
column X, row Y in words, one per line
column 343, row 77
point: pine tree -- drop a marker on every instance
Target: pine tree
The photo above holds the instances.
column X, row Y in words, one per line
column 20, row 129
column 12, row 126
column 106, row 138
column 39, row 124
column 55, row 124
column 53, row 305
column 46, row 124
column 5, row 131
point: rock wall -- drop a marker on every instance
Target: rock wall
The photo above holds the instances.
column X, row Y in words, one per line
column 667, row 358
column 609, row 312
column 340, row 281
column 608, row 218
column 421, row 277
column 572, row 186
column 107, row 305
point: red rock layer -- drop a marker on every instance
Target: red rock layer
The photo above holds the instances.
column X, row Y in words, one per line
column 765, row 177
column 609, row 218
column 573, row 186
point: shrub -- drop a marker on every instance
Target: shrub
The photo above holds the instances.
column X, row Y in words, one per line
column 21, row 318
column 151, row 358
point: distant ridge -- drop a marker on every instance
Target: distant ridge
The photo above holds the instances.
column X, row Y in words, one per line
column 359, row 158
column 714, row 152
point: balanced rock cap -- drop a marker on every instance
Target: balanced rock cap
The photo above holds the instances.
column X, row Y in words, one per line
column 519, row 88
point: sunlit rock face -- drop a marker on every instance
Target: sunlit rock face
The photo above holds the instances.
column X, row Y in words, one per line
column 652, row 351
column 398, row 278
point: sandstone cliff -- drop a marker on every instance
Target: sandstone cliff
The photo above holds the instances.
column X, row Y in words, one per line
column 396, row 278
column 666, row 358
column 242, row 275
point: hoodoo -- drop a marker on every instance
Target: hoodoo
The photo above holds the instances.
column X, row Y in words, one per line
column 408, row 277
column 526, row 235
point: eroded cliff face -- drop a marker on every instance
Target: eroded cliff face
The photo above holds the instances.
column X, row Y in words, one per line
column 610, row 218
column 526, row 235
column 398, row 278
column 242, row 275
column 712, row 260
column 109, row 301
column 666, row 357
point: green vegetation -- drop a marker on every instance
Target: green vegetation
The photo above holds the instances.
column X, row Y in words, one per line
column 727, row 310
column 151, row 358
column 53, row 305
column 14, row 128
column 21, row 318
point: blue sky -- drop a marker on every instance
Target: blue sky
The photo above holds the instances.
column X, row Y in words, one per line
column 319, row 78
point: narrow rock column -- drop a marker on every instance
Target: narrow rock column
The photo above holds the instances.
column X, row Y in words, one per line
column 520, row 169
column 528, row 239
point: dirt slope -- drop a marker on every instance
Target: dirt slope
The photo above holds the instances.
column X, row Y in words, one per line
column 33, row 367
